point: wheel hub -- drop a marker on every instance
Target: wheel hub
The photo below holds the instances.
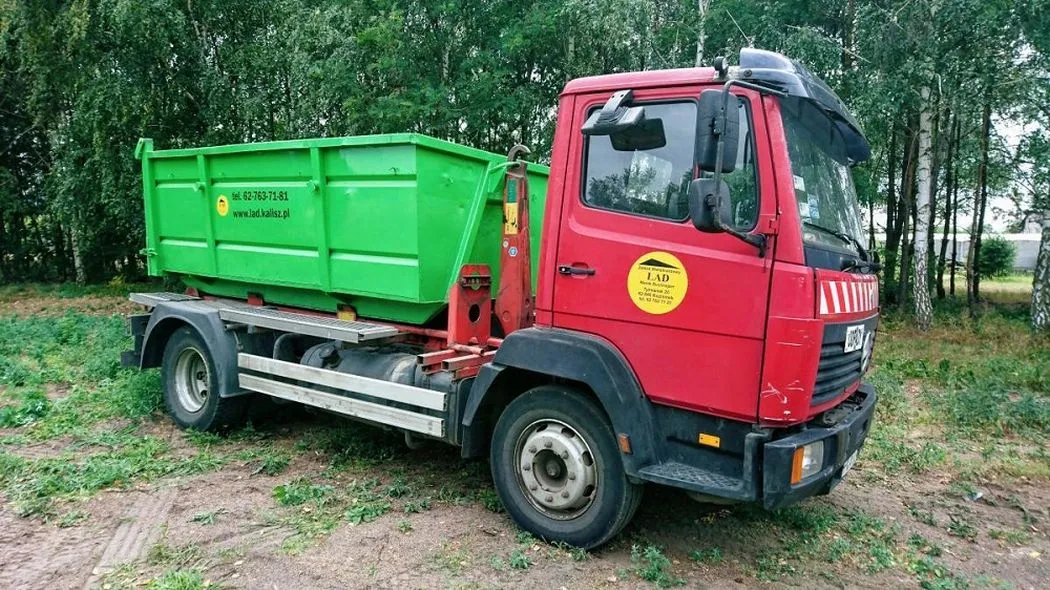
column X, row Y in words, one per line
column 191, row 379
column 556, row 469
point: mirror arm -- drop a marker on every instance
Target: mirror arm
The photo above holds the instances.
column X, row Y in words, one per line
column 757, row 240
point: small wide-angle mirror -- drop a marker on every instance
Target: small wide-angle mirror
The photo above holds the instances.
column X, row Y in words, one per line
column 707, row 136
column 709, row 205
column 647, row 135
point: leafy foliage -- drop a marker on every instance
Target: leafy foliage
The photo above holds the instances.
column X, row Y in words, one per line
column 997, row 257
column 81, row 81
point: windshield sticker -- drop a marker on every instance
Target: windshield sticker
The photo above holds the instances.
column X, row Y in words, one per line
column 803, row 203
column 800, row 183
column 657, row 282
column 814, row 207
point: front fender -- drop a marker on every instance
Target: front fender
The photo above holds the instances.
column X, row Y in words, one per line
column 584, row 358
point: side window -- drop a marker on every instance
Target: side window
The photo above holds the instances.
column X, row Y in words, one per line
column 651, row 182
column 655, row 182
column 742, row 181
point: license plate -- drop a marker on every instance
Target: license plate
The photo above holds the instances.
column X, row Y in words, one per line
column 854, row 338
column 849, row 463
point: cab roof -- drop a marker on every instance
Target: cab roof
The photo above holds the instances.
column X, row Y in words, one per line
column 756, row 66
column 637, row 80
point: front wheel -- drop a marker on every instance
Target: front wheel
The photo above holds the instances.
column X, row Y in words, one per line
column 557, row 469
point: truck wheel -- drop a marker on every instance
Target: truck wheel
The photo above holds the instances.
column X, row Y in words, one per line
column 191, row 385
column 557, row 469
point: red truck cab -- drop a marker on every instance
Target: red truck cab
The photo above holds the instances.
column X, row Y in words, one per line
column 727, row 350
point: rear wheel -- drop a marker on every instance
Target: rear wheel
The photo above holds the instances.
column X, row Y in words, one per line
column 557, row 469
column 191, row 385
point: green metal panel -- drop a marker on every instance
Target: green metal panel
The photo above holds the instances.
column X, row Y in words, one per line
column 380, row 222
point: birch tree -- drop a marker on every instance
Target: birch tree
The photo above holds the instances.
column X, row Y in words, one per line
column 702, row 7
column 1041, row 280
column 920, row 282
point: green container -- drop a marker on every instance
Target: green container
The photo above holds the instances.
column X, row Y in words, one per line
column 381, row 223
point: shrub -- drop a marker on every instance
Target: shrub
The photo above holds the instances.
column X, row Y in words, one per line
column 997, row 257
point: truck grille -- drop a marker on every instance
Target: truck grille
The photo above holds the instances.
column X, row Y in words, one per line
column 835, row 372
column 838, row 370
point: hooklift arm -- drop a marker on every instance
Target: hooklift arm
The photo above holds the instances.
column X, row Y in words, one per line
column 514, row 297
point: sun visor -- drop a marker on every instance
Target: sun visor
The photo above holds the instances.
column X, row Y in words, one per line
column 776, row 71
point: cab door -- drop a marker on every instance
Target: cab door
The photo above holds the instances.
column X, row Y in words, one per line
column 687, row 309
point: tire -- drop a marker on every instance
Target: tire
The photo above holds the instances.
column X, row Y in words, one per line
column 191, row 386
column 550, row 498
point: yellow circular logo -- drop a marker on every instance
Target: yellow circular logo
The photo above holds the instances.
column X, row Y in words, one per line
column 657, row 282
column 222, row 206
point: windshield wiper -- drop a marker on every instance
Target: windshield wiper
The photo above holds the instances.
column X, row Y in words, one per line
column 850, row 265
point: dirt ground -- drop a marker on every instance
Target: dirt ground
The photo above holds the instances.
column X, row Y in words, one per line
column 456, row 544
column 436, row 525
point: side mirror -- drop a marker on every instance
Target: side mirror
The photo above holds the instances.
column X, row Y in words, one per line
column 615, row 116
column 709, row 205
column 709, row 130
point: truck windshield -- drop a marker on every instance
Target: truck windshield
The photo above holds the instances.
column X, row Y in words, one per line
column 827, row 200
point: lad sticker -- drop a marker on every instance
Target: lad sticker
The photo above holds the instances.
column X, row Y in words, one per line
column 657, row 282
column 222, row 206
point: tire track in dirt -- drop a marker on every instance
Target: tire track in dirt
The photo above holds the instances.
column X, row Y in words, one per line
column 139, row 529
column 39, row 555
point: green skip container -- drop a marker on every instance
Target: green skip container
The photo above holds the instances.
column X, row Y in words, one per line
column 381, row 223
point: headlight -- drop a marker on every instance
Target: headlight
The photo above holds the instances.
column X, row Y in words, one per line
column 807, row 461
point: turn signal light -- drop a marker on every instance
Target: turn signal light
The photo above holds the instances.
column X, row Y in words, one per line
column 807, row 461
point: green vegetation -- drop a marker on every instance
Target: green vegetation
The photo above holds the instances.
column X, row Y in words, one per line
column 961, row 405
column 997, row 257
column 977, row 393
column 519, row 560
column 179, row 580
column 650, row 564
column 711, row 555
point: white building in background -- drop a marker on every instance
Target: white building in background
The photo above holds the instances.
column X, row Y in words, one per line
column 1027, row 245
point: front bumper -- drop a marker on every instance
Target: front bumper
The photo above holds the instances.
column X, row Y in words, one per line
column 760, row 469
column 841, row 441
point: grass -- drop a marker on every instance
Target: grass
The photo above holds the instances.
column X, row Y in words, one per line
column 34, row 485
column 710, row 556
column 973, row 398
column 650, row 564
column 61, row 388
column 963, row 404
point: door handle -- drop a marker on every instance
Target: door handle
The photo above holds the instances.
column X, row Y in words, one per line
column 568, row 270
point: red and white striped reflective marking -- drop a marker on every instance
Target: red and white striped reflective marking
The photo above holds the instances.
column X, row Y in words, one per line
column 849, row 296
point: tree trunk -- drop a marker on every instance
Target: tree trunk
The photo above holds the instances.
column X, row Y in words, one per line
column 871, row 224
column 935, row 180
column 907, row 253
column 78, row 259
column 701, row 33
column 906, row 212
column 1041, row 280
column 973, row 279
column 921, row 292
column 849, row 36
column 892, row 238
column 955, row 237
column 949, row 187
